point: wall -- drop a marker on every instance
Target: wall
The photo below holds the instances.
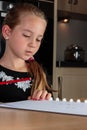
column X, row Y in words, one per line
column 68, row 33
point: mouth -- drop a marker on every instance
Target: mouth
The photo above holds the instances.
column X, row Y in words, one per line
column 29, row 53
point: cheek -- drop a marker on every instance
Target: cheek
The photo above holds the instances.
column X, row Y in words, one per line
column 36, row 50
column 38, row 46
column 16, row 46
column 18, row 43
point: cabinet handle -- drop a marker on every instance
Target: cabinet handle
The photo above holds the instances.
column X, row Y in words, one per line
column 75, row 2
column 60, row 79
column 69, row 1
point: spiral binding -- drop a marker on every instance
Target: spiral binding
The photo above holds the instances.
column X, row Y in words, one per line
column 70, row 100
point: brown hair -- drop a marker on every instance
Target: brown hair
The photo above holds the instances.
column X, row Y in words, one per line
column 12, row 19
column 13, row 15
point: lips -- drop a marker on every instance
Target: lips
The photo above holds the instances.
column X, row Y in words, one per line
column 29, row 53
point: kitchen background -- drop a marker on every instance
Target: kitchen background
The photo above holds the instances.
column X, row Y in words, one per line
column 73, row 32
column 70, row 74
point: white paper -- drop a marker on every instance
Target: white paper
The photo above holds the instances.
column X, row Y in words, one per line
column 50, row 106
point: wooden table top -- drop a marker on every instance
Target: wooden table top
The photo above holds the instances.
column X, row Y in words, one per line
column 13, row 119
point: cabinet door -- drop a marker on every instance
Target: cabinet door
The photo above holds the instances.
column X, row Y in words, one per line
column 64, row 5
column 72, row 83
column 80, row 6
column 74, row 6
column 74, row 86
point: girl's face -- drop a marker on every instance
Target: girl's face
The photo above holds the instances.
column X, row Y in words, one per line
column 25, row 39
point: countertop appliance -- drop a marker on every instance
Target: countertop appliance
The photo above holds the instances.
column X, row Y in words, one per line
column 74, row 53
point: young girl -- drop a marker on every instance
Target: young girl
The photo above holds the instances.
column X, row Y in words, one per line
column 21, row 77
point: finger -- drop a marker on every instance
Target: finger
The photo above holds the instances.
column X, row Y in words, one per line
column 37, row 94
column 43, row 95
column 48, row 96
column 29, row 98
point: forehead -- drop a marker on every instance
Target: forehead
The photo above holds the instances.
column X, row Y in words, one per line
column 31, row 23
column 29, row 20
column 31, row 15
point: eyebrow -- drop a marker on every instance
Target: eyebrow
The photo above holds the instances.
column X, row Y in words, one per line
column 27, row 30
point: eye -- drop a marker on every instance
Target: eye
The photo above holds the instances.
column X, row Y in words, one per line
column 39, row 40
column 25, row 35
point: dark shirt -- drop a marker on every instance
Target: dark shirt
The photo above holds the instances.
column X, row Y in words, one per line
column 14, row 86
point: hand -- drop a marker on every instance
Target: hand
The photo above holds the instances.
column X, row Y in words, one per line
column 40, row 95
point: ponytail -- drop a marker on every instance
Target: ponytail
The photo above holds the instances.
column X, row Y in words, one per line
column 39, row 76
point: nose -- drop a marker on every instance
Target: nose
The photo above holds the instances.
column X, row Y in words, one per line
column 32, row 43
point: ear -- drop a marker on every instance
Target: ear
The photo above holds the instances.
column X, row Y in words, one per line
column 6, row 31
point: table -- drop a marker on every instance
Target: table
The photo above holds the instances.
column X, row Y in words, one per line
column 14, row 119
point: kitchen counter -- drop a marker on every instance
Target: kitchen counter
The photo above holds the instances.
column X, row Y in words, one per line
column 71, row 64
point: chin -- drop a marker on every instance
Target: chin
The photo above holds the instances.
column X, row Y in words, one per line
column 27, row 58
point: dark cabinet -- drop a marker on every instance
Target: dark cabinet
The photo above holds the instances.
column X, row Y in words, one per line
column 76, row 9
column 75, row 6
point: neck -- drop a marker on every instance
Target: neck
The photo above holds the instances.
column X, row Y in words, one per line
column 14, row 64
